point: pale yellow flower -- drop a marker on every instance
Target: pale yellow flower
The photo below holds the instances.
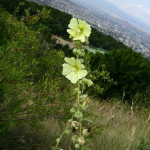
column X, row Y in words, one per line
column 79, row 30
column 73, row 69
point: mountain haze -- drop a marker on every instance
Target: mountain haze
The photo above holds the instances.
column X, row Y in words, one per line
column 106, row 18
column 113, row 10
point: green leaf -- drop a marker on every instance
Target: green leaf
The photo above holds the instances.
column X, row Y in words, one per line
column 88, row 120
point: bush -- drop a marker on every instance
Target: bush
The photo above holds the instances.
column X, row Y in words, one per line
column 31, row 83
column 128, row 68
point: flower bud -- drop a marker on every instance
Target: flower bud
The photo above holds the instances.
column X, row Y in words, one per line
column 81, row 60
column 76, row 90
column 72, row 110
column 89, row 83
column 83, row 97
column 81, row 140
column 84, row 80
column 67, row 131
column 85, row 132
column 58, row 140
column 84, row 107
column 74, row 138
column 82, row 54
column 75, row 51
column 78, row 115
column 75, row 124
column 77, row 146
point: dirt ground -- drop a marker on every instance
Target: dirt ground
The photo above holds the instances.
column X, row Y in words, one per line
column 64, row 42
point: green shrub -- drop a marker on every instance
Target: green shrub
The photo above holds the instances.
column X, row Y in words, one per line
column 31, row 83
column 128, row 68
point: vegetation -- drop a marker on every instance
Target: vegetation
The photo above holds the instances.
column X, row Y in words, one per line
column 129, row 69
column 98, row 39
column 57, row 24
column 35, row 99
column 32, row 86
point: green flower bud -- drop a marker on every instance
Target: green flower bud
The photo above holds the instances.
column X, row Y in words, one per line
column 74, row 138
column 89, row 83
column 75, row 51
column 81, row 60
column 84, row 107
column 76, row 90
column 72, row 110
column 58, row 140
column 83, row 97
column 81, row 82
column 84, row 80
column 82, row 54
column 79, row 52
column 67, row 131
column 77, row 146
column 78, row 115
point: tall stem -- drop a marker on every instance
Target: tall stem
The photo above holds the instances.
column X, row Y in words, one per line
column 62, row 135
column 78, row 100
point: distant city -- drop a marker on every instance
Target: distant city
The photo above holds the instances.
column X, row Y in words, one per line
column 119, row 29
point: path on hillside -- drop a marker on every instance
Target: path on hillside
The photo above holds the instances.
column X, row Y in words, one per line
column 71, row 46
column 64, row 42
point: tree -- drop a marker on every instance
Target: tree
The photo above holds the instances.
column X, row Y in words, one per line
column 130, row 69
column 57, row 30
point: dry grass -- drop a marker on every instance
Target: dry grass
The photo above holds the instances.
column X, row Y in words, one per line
column 126, row 128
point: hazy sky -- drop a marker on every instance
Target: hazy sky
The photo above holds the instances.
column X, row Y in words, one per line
column 137, row 8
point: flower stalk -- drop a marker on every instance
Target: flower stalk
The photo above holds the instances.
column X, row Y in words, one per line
column 74, row 70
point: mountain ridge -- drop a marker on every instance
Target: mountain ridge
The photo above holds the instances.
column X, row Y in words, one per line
column 110, row 8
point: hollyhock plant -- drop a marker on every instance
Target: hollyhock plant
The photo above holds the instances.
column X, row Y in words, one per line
column 74, row 70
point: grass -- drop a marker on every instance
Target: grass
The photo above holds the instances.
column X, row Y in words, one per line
column 126, row 129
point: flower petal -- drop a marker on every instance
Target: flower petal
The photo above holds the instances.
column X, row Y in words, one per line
column 70, row 61
column 87, row 31
column 80, row 37
column 81, row 23
column 67, row 69
column 73, row 24
column 71, row 32
column 72, row 77
column 81, row 74
column 78, row 62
